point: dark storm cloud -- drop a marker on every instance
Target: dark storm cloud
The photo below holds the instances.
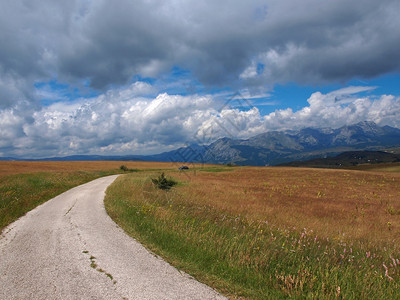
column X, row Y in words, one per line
column 108, row 42
column 116, row 40
column 314, row 42
column 30, row 34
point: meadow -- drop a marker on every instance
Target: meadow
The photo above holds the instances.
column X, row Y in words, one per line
column 271, row 233
column 249, row 232
column 386, row 167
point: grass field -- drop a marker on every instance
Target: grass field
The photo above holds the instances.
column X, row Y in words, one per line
column 271, row 233
column 22, row 167
column 256, row 233
column 390, row 167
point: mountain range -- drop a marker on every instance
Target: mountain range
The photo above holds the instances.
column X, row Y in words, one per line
column 273, row 147
column 277, row 147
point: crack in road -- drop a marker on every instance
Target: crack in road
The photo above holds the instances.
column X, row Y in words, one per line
column 71, row 208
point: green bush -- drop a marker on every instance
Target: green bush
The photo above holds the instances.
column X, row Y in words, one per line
column 163, row 182
column 124, row 168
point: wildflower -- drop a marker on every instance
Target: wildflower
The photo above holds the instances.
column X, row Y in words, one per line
column 368, row 254
column 387, row 272
column 389, row 225
column 394, row 262
column 338, row 291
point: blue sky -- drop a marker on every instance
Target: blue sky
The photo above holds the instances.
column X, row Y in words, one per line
column 98, row 77
column 295, row 96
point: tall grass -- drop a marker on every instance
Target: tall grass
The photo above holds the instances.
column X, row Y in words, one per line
column 20, row 193
column 243, row 254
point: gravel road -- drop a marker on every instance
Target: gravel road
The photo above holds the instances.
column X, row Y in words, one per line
column 69, row 248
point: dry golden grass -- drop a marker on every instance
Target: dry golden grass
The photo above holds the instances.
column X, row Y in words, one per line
column 385, row 167
column 19, row 167
column 271, row 233
column 339, row 204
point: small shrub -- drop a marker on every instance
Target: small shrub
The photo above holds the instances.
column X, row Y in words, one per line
column 126, row 169
column 391, row 210
column 163, row 182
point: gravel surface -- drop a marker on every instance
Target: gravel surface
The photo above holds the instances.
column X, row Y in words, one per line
column 69, row 248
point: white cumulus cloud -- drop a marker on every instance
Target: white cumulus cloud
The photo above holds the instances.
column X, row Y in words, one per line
column 123, row 121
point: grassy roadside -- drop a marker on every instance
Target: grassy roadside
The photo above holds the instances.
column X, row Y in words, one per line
column 225, row 238
column 20, row 193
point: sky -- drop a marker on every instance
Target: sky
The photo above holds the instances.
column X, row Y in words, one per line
column 146, row 76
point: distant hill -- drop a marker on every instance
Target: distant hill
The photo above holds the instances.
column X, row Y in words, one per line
column 275, row 147
column 348, row 159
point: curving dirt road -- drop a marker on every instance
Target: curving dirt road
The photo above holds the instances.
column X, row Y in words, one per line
column 69, row 248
